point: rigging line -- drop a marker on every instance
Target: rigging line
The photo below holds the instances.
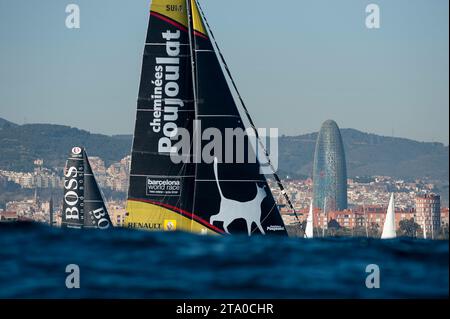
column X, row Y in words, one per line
column 264, row 219
column 195, row 87
column 280, row 185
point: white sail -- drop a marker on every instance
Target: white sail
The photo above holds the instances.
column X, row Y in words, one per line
column 389, row 222
column 424, row 227
column 309, row 233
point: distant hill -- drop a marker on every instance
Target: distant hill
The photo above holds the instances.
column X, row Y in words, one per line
column 366, row 154
column 21, row 144
column 5, row 123
column 370, row 154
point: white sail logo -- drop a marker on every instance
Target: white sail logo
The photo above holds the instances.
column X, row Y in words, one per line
column 76, row 150
column 71, row 197
column 165, row 93
column 230, row 209
column 99, row 214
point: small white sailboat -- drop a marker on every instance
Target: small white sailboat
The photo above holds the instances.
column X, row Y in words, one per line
column 389, row 222
column 424, row 227
column 309, row 230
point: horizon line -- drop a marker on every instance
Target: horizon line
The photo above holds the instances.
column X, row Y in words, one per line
column 280, row 135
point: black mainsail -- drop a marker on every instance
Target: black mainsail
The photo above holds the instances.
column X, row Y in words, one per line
column 84, row 205
column 183, row 87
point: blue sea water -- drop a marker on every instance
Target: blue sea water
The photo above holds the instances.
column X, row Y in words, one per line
column 131, row 264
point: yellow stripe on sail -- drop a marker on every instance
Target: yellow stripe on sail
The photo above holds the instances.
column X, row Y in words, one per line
column 197, row 19
column 173, row 9
column 176, row 11
column 147, row 216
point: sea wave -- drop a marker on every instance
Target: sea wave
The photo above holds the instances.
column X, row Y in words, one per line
column 123, row 263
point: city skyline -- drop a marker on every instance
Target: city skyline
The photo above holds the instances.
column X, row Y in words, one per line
column 408, row 206
column 360, row 191
column 367, row 200
column 391, row 81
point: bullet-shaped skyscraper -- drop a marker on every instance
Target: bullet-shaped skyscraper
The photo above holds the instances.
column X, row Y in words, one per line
column 330, row 169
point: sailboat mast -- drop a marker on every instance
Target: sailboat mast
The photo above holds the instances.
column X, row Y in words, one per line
column 192, row 53
column 196, row 133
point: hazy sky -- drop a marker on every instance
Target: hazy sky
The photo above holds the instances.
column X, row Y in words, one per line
column 297, row 63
